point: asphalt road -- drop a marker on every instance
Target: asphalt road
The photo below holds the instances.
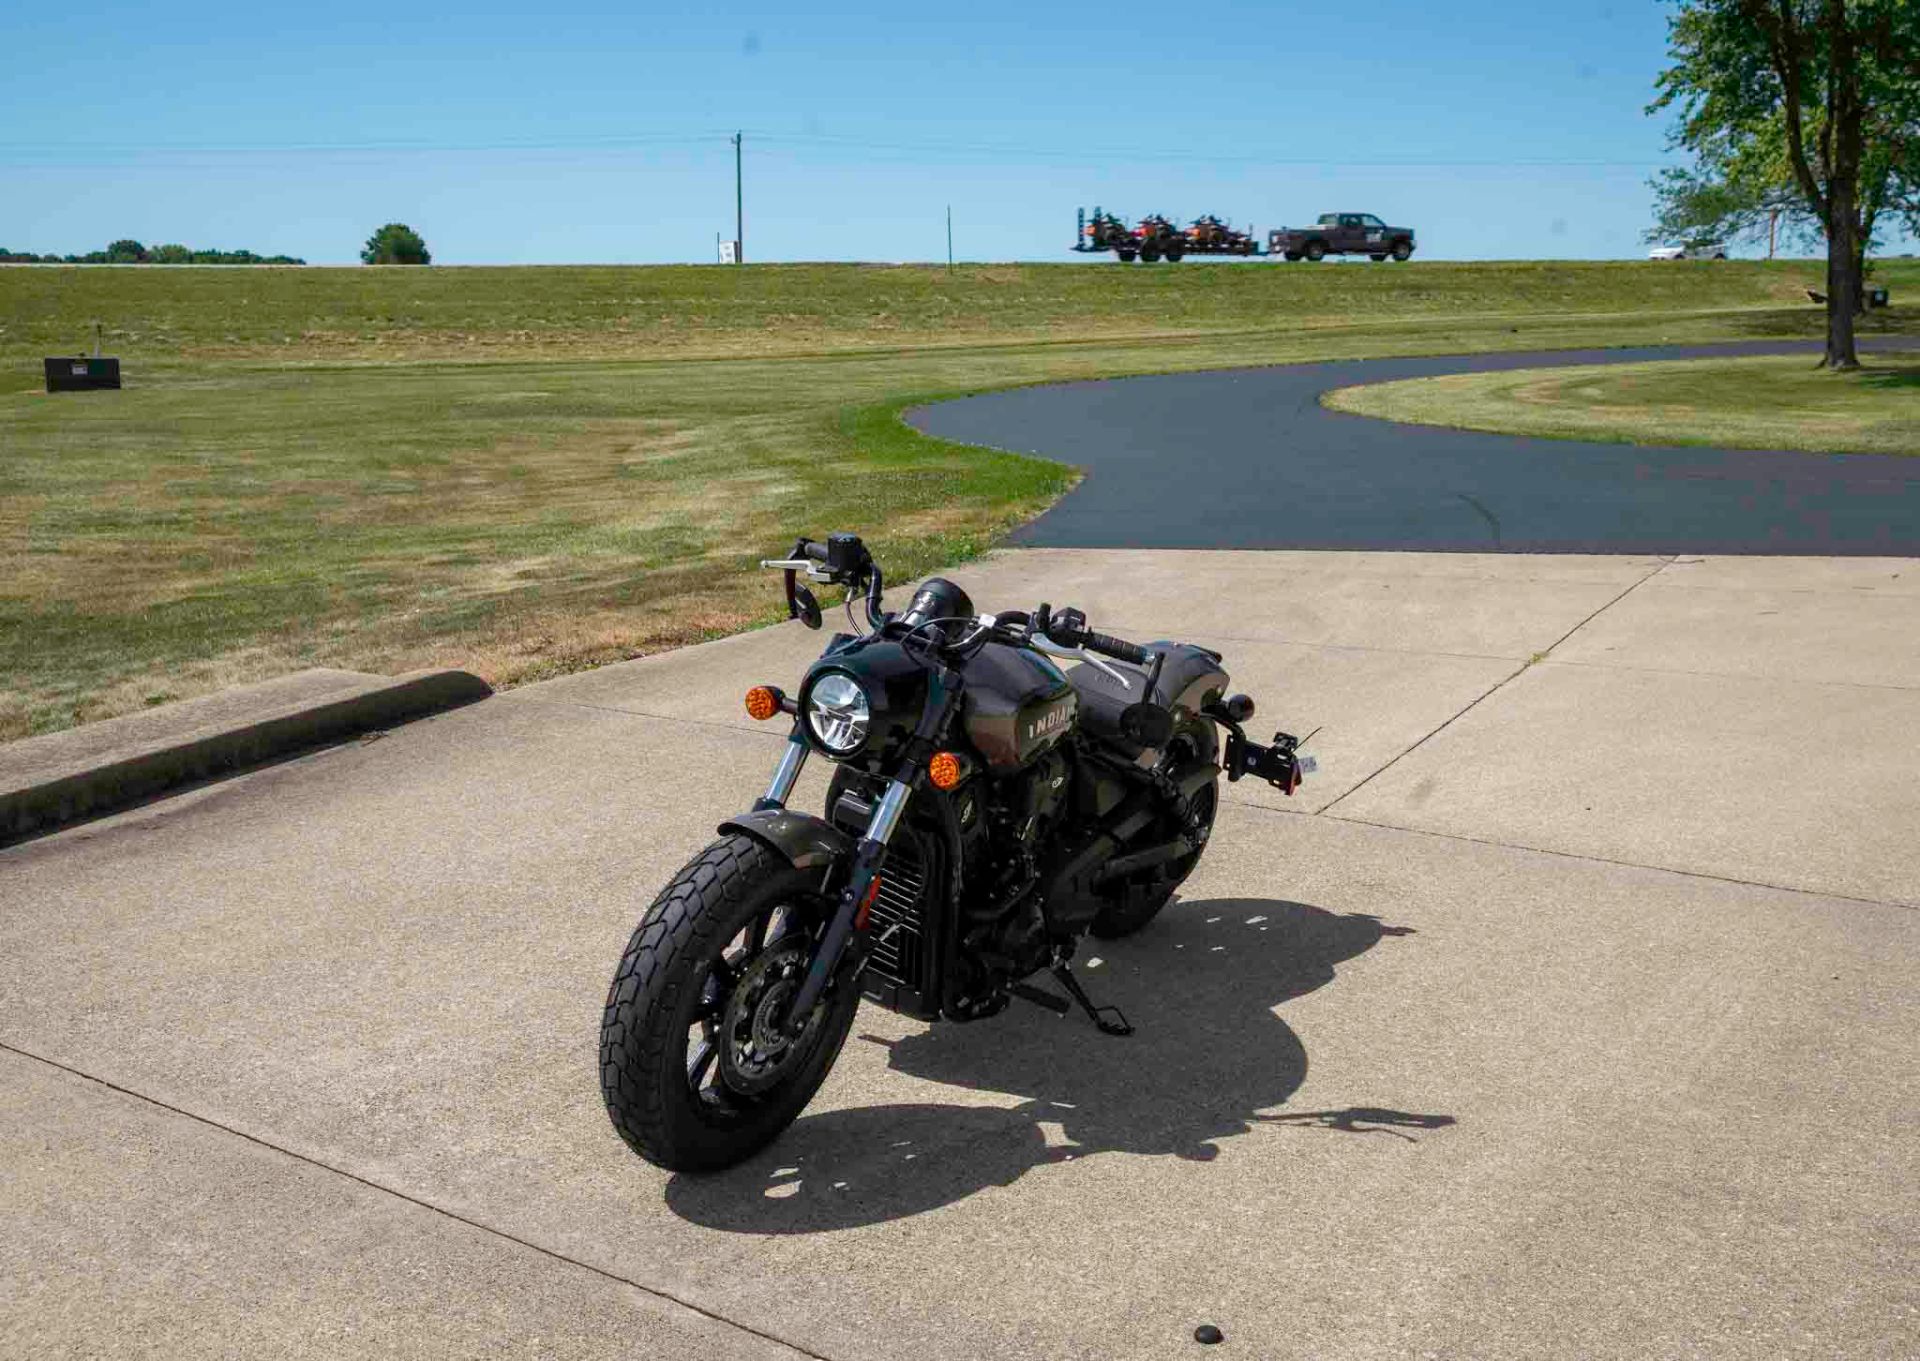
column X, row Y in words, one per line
column 1248, row 458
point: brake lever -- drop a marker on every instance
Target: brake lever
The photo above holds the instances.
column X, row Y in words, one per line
column 815, row 570
column 1042, row 643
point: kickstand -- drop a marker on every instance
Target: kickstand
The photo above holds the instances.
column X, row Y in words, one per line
column 1098, row 1015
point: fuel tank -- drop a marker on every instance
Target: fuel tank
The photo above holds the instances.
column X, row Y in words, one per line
column 1017, row 704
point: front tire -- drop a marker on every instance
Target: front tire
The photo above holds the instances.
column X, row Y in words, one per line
column 1316, row 251
column 1402, row 252
column 693, row 1076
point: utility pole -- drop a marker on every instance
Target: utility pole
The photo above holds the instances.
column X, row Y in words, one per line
column 739, row 209
column 949, row 238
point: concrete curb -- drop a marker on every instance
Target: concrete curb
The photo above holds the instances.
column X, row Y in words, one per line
column 50, row 780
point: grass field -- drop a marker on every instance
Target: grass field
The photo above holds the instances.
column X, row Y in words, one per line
column 529, row 471
column 1770, row 403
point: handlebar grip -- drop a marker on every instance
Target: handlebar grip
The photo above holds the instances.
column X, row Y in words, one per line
column 810, row 549
column 1117, row 647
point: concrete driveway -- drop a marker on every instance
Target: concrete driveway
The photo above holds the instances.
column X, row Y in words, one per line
column 1571, row 1011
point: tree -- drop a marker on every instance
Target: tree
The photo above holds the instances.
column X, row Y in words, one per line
column 126, row 252
column 1713, row 201
column 1812, row 104
column 396, row 244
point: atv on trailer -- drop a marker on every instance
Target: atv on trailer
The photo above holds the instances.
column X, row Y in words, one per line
column 1158, row 236
column 1210, row 236
column 1103, row 231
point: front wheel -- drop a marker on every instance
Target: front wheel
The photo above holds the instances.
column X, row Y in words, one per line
column 696, row 1073
column 1316, row 250
column 1402, row 252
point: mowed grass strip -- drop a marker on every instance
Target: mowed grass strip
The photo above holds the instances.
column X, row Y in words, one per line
column 1765, row 403
column 572, row 490
column 716, row 311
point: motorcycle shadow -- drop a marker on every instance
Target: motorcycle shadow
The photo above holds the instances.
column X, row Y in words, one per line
column 1209, row 1059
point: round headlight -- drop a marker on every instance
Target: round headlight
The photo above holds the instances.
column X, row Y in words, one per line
column 838, row 713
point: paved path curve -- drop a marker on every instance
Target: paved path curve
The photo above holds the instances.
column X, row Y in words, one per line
column 1248, row 458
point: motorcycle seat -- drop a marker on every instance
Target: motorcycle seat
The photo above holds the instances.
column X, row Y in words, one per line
column 1189, row 675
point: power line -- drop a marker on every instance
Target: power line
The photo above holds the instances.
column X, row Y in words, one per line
column 1006, row 150
column 572, row 143
column 1190, row 154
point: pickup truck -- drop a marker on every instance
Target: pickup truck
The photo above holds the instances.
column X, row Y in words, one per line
column 1342, row 234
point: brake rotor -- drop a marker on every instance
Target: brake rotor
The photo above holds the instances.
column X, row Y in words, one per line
column 755, row 1054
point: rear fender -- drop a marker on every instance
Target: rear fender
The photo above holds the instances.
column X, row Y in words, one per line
column 806, row 841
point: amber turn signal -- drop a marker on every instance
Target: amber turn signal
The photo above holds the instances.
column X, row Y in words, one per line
column 945, row 770
column 763, row 702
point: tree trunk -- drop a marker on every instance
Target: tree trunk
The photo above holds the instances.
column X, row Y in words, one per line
column 1843, row 275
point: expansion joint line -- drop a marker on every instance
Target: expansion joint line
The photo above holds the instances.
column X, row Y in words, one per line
column 652, row 1290
column 1503, row 683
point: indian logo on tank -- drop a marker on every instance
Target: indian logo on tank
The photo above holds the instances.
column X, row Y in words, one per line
column 1052, row 721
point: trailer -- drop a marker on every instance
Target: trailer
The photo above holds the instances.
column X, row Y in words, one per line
column 1159, row 238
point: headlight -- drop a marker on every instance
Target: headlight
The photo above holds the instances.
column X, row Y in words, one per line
column 838, row 713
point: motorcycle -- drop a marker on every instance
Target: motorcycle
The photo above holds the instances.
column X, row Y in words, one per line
column 987, row 810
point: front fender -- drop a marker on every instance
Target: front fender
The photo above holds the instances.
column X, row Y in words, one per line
column 806, row 841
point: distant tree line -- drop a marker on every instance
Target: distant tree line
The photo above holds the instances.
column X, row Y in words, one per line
column 130, row 252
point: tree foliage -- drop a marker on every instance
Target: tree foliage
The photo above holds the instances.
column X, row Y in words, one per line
column 1808, row 108
column 131, row 252
column 396, row 244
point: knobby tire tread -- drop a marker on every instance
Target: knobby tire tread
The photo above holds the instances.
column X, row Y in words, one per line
column 686, row 917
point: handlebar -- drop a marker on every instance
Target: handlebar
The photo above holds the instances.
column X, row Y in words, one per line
column 1118, row 648
column 1069, row 629
column 844, row 561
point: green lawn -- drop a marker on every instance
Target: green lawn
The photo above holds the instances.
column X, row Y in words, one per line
column 1770, row 403
column 528, row 471
column 699, row 311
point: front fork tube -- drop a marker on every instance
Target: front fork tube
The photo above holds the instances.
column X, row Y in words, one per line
column 792, row 761
column 856, row 898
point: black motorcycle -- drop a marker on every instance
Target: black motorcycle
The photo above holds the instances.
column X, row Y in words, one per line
column 987, row 810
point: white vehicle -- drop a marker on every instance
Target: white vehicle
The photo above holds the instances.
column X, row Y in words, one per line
column 1705, row 250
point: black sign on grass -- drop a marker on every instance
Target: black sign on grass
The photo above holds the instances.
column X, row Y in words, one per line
column 82, row 373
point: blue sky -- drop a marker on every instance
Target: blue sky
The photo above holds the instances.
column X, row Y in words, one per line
column 587, row 132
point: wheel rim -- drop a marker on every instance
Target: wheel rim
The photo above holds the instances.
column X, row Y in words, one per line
column 735, row 1054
